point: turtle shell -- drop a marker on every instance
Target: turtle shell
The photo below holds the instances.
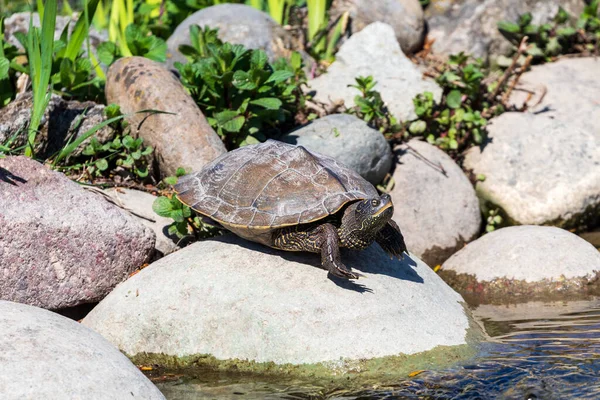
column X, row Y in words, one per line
column 271, row 185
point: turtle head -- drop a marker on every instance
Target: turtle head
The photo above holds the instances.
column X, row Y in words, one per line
column 363, row 219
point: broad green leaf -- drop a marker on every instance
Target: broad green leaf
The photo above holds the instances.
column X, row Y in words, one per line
column 508, row 27
column 102, row 164
column 4, row 67
column 243, row 80
column 279, row 76
column 170, row 180
column 107, row 53
column 258, row 59
column 163, row 206
column 270, row 103
column 230, row 121
column 454, row 99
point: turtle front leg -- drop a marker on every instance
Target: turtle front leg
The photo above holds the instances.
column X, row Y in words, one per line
column 320, row 239
column 391, row 240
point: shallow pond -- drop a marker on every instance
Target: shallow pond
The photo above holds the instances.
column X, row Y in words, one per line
column 535, row 351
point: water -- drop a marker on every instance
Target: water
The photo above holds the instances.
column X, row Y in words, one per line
column 534, row 351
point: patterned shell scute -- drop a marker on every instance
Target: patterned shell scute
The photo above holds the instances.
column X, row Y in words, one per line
column 270, row 185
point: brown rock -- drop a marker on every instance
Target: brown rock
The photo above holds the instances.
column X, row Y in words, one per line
column 182, row 139
column 61, row 245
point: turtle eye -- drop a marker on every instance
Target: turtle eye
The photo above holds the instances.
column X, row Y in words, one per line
column 374, row 202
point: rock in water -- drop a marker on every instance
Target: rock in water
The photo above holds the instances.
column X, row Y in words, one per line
column 349, row 140
column 180, row 139
column 405, row 16
column 471, row 26
column 60, row 245
column 523, row 263
column 47, row 356
column 237, row 24
column 539, row 171
column 435, row 203
column 374, row 51
column 234, row 299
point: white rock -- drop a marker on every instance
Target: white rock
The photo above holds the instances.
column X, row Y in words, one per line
column 234, row 299
column 374, row 51
column 528, row 253
column 436, row 208
column 46, row 356
column 539, row 170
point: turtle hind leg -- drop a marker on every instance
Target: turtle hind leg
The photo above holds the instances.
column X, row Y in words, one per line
column 391, row 240
column 320, row 239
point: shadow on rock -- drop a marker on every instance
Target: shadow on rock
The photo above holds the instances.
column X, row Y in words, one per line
column 10, row 178
column 372, row 260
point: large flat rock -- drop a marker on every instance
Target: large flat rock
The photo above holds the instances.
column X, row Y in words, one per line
column 374, row 51
column 61, row 245
column 46, row 356
column 434, row 202
column 233, row 299
column 539, row 171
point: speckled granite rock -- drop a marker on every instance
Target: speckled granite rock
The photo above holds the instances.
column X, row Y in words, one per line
column 60, row 245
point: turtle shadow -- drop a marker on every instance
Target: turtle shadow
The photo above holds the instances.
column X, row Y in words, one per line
column 372, row 260
column 10, row 178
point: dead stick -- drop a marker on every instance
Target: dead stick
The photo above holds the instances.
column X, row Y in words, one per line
column 520, row 50
column 514, row 82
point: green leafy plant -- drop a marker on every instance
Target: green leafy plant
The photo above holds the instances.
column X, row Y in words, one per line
column 139, row 43
column 123, row 153
column 370, row 107
column 8, row 68
column 560, row 36
column 459, row 120
column 494, row 220
column 185, row 222
column 244, row 97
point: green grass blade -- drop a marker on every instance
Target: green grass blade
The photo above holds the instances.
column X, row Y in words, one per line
column 80, row 32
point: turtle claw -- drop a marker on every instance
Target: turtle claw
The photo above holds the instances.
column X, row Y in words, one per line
column 345, row 273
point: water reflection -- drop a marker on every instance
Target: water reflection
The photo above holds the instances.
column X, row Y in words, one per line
column 535, row 351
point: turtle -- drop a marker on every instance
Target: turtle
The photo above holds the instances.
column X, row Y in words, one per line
column 289, row 198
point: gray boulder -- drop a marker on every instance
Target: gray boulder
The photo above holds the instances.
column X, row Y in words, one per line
column 236, row 300
column 434, row 202
column 61, row 121
column 60, row 245
column 349, row 140
column 182, row 138
column 539, row 171
column 405, row 16
column 524, row 263
column 471, row 26
column 139, row 204
column 47, row 356
column 566, row 90
column 237, row 24
column 374, row 51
